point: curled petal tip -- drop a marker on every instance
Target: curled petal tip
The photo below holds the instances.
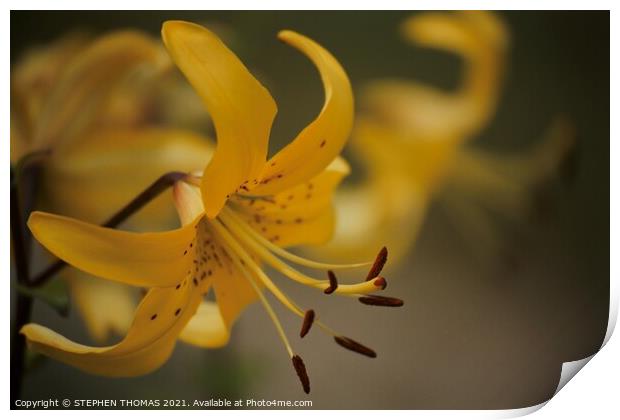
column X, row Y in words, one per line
column 287, row 34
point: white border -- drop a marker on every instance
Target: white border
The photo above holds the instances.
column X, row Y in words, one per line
column 594, row 394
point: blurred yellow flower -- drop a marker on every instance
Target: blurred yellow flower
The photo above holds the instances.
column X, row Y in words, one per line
column 411, row 140
column 68, row 98
column 239, row 213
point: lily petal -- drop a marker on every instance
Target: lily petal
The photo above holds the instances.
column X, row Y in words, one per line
column 504, row 183
column 300, row 215
column 87, row 82
column 105, row 306
column 158, row 321
column 206, row 328
column 32, row 79
column 157, row 259
column 322, row 140
column 385, row 149
column 111, row 167
column 431, row 114
column 188, row 202
column 241, row 108
column 390, row 207
column 233, row 292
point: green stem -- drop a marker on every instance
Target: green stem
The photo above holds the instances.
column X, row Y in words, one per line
column 19, row 235
column 24, row 302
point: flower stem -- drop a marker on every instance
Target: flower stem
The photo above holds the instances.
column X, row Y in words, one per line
column 160, row 185
column 19, row 237
column 24, row 302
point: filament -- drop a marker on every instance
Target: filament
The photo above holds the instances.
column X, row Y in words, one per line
column 284, row 253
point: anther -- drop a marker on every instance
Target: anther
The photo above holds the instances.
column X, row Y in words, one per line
column 375, row 300
column 353, row 345
column 333, row 283
column 307, row 323
column 300, row 368
column 377, row 266
column 380, row 282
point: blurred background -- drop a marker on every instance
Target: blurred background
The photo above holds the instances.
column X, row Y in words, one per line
column 471, row 335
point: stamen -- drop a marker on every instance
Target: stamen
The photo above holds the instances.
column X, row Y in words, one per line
column 298, row 363
column 333, row 283
column 232, row 232
column 377, row 266
column 300, row 368
column 375, row 300
column 284, row 253
column 380, row 282
column 267, row 306
column 353, row 345
column 307, row 323
column 287, row 270
column 238, row 250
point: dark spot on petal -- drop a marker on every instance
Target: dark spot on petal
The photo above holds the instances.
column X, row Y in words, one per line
column 153, row 317
column 177, row 312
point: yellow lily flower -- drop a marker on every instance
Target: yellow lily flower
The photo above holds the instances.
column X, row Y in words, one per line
column 239, row 213
column 412, row 141
column 62, row 99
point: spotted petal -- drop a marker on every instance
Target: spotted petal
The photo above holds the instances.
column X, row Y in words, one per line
column 241, row 108
column 157, row 259
column 232, row 291
column 158, row 321
column 322, row 140
column 299, row 215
